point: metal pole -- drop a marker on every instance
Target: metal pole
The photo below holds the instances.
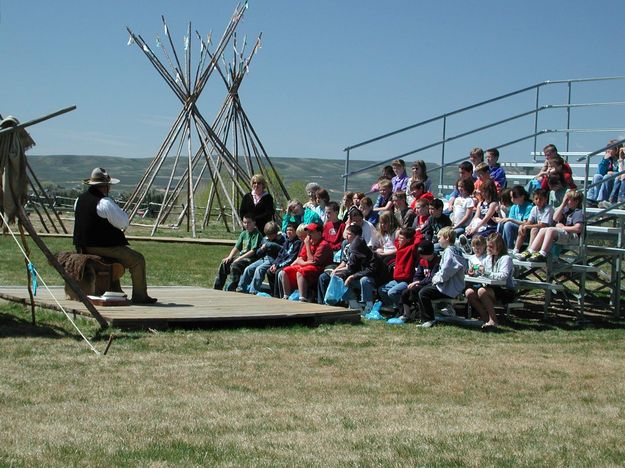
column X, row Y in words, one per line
column 346, row 172
column 568, row 116
column 440, row 175
column 536, row 120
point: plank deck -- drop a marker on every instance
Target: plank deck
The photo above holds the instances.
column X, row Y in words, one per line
column 191, row 305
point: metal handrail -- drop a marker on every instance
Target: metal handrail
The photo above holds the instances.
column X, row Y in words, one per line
column 444, row 117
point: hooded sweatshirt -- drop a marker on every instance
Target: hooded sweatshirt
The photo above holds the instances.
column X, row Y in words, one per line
column 450, row 277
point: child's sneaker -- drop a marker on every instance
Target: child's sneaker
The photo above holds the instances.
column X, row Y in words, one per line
column 428, row 324
column 537, row 257
column 523, row 256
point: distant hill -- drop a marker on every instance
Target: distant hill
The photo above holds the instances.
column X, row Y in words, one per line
column 68, row 171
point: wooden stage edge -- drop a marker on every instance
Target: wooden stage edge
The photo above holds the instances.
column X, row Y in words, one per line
column 187, row 305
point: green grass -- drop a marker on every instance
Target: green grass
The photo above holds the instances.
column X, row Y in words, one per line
column 535, row 394
column 167, row 264
column 332, row 395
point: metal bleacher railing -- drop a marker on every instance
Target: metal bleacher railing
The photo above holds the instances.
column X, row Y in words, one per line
column 444, row 119
column 592, row 215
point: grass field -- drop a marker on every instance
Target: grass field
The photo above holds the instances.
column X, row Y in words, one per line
column 537, row 393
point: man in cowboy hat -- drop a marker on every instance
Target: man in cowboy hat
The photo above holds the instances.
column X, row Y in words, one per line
column 98, row 230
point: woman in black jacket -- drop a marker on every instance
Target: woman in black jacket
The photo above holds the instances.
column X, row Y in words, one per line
column 258, row 203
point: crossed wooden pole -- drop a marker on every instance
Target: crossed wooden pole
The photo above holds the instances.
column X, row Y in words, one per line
column 228, row 179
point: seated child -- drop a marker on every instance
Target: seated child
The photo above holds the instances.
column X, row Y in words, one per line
column 347, row 203
column 483, row 175
column 462, row 205
column 405, row 216
column 418, row 192
column 400, row 180
column 387, row 232
column 356, row 199
column 508, row 226
column 323, row 198
column 333, row 227
column 435, row 223
column 253, row 276
column 570, row 223
column 498, row 266
column 314, row 256
column 422, row 211
column 242, row 254
column 505, row 203
column 291, row 248
column 405, row 258
column 448, row 282
column 384, row 202
column 483, row 222
column 540, row 217
column 366, row 206
column 557, row 190
column 465, row 171
column 429, row 262
column 387, row 174
column 360, row 263
column 476, row 260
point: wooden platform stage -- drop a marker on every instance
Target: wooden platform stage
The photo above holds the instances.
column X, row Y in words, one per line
column 191, row 306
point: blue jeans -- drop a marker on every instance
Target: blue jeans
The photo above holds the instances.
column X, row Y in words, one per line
column 509, row 231
column 618, row 191
column 322, row 286
column 390, row 293
column 252, row 278
column 366, row 286
column 600, row 192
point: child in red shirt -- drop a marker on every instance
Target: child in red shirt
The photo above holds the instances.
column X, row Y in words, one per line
column 333, row 227
column 405, row 261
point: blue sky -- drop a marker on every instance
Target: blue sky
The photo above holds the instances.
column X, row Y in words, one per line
column 330, row 73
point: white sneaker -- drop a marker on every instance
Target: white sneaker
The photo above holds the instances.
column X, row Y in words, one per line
column 448, row 312
column 428, row 324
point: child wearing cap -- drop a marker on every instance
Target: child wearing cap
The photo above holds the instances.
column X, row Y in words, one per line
column 314, row 256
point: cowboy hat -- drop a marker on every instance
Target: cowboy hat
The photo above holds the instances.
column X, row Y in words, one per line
column 99, row 176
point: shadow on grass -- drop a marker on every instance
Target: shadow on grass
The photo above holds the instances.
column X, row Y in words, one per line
column 16, row 323
column 13, row 326
column 561, row 317
column 230, row 324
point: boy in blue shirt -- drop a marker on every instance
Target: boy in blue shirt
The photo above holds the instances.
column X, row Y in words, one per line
column 289, row 252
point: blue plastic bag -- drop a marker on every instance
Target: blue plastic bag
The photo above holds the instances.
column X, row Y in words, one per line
column 336, row 290
column 294, row 296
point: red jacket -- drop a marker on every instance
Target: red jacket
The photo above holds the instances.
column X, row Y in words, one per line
column 405, row 261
